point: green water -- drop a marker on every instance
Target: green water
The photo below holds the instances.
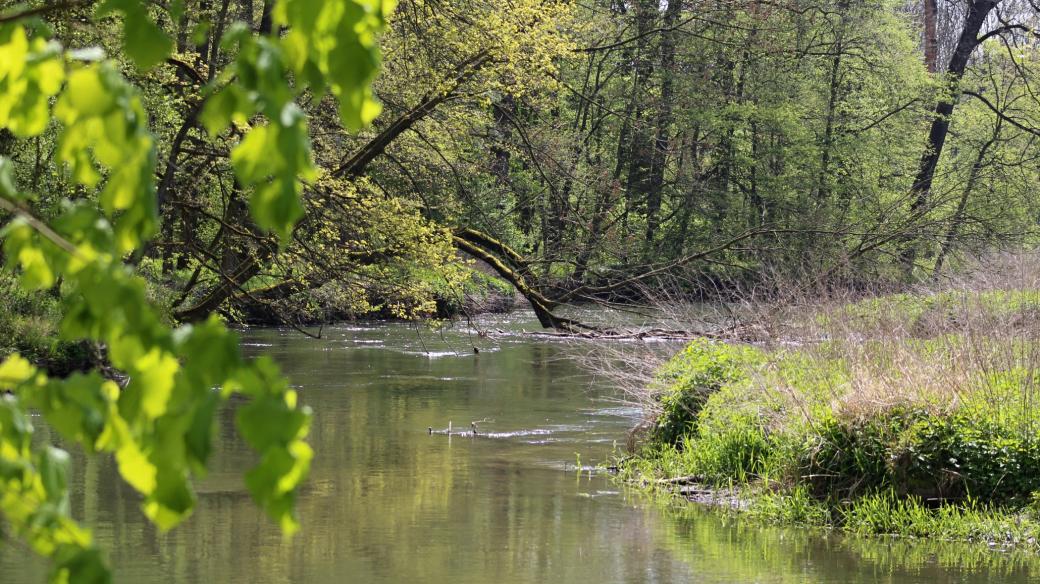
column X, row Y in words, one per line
column 388, row 503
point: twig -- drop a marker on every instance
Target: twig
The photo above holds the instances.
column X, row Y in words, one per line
column 41, row 227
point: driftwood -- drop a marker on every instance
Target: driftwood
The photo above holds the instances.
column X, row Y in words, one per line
column 626, row 335
column 733, row 333
column 471, row 433
column 693, row 489
column 687, row 480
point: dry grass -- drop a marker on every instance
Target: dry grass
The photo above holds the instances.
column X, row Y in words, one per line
column 968, row 338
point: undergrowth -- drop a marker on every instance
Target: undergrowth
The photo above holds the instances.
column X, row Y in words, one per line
column 29, row 326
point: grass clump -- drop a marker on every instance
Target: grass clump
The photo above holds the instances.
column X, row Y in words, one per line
column 688, row 379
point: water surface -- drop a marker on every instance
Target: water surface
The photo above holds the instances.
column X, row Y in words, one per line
column 389, row 503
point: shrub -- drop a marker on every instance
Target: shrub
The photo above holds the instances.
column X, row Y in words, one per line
column 29, row 326
column 686, row 382
column 922, row 454
column 901, row 414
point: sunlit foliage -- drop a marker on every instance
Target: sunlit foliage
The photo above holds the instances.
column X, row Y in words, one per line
column 159, row 423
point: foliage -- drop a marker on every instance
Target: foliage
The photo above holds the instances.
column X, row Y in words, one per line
column 965, row 454
column 159, row 425
column 840, row 433
column 690, row 378
column 29, row 326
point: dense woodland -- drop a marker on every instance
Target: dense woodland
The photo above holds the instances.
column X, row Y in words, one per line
column 165, row 165
column 581, row 149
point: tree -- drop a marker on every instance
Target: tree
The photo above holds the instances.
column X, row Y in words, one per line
column 159, row 423
column 977, row 13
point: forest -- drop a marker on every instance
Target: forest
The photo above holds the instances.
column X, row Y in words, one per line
column 172, row 167
column 582, row 149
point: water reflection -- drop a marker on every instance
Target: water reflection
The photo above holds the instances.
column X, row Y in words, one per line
column 387, row 502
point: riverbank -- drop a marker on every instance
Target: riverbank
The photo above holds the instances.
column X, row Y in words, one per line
column 29, row 321
column 29, row 326
column 910, row 415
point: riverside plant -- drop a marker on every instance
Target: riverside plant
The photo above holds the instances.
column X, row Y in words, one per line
column 911, row 413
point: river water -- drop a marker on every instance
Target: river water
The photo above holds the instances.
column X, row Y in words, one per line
column 389, row 503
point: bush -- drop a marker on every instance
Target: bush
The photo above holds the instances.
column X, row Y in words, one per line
column 926, row 425
column 921, row 454
column 687, row 380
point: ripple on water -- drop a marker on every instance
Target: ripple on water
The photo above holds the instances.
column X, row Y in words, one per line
column 617, row 412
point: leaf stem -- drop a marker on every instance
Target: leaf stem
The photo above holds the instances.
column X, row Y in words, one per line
column 41, row 227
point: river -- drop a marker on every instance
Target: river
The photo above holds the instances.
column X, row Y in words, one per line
column 387, row 502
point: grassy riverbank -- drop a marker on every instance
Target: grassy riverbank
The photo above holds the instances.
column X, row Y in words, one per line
column 912, row 415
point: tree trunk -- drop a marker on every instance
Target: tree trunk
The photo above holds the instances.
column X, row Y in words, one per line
column 641, row 143
column 931, row 36
column 921, row 189
column 659, row 156
column 958, row 215
column 266, row 23
column 824, row 189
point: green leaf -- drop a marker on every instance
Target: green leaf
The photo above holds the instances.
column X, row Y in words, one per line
column 88, row 94
column 154, row 374
column 15, row 371
column 7, row 188
column 135, row 467
column 145, row 43
column 53, row 469
column 160, row 425
column 219, row 111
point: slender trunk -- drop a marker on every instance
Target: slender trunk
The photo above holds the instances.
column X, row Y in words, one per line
column 921, row 189
column 641, row 142
column 659, row 155
column 824, row 188
column 182, row 32
column 931, row 36
column 758, row 218
column 205, row 7
column 958, row 215
column 218, row 34
column 246, row 13
column 266, row 22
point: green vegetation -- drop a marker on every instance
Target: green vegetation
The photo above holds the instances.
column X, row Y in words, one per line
column 886, row 434
column 81, row 249
column 929, row 315
column 583, row 151
column 195, row 162
column 29, row 326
